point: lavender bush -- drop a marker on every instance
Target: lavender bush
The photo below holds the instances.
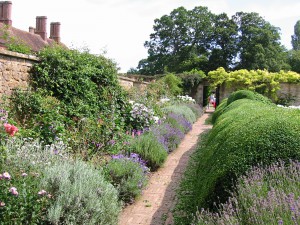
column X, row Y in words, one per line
column 264, row 196
column 168, row 135
column 179, row 121
column 81, row 194
column 128, row 174
column 150, row 149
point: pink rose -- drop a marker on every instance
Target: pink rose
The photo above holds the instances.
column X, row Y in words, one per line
column 2, row 204
column 10, row 129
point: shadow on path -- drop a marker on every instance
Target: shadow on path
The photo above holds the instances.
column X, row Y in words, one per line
column 163, row 215
column 155, row 204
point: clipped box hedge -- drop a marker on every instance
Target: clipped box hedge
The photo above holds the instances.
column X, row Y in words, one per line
column 247, row 132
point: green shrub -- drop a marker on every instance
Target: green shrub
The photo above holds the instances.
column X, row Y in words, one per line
column 128, row 175
column 25, row 160
column 248, row 133
column 173, row 83
column 241, row 94
column 150, row 149
column 85, row 83
column 20, row 201
column 197, row 110
column 42, row 116
column 182, row 110
column 219, row 110
column 81, row 195
column 264, row 196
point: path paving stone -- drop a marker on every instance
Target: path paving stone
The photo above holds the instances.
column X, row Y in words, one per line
column 154, row 206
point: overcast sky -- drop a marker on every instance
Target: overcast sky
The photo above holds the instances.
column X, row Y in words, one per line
column 120, row 27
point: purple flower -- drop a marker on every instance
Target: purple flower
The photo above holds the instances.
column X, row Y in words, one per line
column 111, row 142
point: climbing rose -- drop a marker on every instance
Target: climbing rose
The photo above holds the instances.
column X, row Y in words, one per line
column 10, row 129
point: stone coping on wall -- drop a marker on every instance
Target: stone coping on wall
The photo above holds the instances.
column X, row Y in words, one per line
column 18, row 55
column 132, row 80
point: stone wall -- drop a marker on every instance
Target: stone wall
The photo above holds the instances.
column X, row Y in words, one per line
column 129, row 83
column 15, row 67
column 14, row 70
column 290, row 92
column 287, row 91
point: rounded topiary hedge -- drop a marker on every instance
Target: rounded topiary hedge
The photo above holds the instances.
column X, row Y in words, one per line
column 247, row 133
column 241, row 94
column 248, row 95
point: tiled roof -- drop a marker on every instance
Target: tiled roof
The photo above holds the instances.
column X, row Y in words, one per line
column 34, row 41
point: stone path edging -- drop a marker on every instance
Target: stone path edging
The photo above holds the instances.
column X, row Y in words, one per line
column 154, row 206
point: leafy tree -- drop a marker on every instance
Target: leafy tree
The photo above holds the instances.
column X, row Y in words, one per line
column 180, row 42
column 296, row 36
column 199, row 39
column 258, row 43
column 224, row 42
column 294, row 60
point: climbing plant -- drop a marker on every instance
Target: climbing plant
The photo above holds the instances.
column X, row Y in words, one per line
column 261, row 81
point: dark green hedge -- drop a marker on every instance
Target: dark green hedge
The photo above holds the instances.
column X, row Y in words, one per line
column 241, row 94
column 247, row 133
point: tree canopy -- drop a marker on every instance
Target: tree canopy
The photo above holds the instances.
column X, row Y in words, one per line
column 199, row 39
column 296, row 36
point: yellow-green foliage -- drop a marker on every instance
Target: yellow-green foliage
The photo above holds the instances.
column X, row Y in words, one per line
column 259, row 80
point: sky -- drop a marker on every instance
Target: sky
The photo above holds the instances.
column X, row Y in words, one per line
column 119, row 28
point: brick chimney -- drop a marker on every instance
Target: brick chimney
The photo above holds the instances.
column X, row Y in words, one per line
column 55, row 31
column 41, row 27
column 5, row 12
column 31, row 30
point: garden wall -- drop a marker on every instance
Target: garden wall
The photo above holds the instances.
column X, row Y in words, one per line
column 14, row 70
column 128, row 83
column 287, row 90
column 15, row 67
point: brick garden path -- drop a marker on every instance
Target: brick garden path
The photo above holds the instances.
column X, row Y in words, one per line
column 155, row 205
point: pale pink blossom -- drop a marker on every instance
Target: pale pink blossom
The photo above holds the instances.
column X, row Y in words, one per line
column 42, row 192
column 6, row 175
column 24, row 174
column 14, row 191
column 2, row 204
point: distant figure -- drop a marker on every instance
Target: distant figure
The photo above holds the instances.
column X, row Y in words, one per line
column 211, row 100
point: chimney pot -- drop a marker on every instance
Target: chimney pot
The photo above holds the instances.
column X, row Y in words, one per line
column 31, row 30
column 5, row 12
column 41, row 27
column 55, row 31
